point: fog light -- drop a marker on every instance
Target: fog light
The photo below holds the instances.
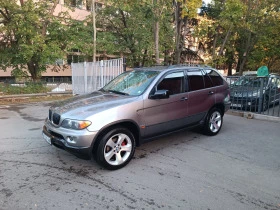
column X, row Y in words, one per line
column 249, row 103
column 71, row 139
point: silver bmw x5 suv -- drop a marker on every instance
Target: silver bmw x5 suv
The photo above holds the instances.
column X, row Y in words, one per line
column 133, row 108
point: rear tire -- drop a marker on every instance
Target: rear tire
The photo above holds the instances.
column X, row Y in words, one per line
column 214, row 122
column 116, row 148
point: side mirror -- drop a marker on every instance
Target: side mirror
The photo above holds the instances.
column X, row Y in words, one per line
column 160, row 94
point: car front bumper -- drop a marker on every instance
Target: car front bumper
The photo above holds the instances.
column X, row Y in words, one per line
column 81, row 146
column 245, row 103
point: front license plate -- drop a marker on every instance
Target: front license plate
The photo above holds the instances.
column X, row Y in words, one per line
column 236, row 105
column 48, row 139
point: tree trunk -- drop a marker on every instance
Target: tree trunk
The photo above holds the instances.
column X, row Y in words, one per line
column 178, row 35
column 94, row 31
column 33, row 69
column 214, row 50
column 166, row 58
column 245, row 54
column 225, row 40
column 230, row 61
column 156, row 34
column 214, row 46
column 144, row 57
column 157, row 42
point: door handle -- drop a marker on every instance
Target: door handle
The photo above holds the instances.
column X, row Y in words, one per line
column 210, row 92
column 183, row 99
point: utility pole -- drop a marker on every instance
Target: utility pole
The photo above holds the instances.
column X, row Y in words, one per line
column 94, row 30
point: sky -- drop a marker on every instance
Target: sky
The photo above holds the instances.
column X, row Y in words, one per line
column 207, row 1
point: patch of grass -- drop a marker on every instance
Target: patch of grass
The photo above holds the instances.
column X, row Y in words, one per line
column 23, row 100
column 27, row 88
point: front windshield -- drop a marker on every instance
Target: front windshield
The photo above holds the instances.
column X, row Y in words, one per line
column 251, row 81
column 131, row 83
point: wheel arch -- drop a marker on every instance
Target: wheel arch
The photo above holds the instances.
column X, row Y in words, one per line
column 219, row 106
column 130, row 125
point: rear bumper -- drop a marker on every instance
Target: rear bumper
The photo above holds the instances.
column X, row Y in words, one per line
column 227, row 106
column 81, row 152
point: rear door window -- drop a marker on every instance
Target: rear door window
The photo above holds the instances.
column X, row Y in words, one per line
column 195, row 80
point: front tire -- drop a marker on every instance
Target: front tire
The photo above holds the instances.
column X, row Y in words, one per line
column 116, row 148
column 214, row 122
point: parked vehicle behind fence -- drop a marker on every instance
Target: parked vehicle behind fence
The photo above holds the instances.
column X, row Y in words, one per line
column 135, row 107
column 256, row 94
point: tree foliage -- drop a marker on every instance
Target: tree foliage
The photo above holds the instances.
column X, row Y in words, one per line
column 132, row 26
column 240, row 33
column 31, row 37
column 126, row 29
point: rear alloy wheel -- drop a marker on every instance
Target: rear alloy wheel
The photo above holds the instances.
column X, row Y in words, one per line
column 214, row 122
column 116, row 148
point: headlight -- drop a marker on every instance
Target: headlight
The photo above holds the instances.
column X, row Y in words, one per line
column 75, row 124
column 257, row 93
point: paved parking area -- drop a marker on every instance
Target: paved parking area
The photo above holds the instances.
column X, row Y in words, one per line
column 237, row 169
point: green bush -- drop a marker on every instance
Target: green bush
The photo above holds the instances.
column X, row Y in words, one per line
column 26, row 88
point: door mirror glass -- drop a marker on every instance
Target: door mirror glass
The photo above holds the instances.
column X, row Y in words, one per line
column 160, row 94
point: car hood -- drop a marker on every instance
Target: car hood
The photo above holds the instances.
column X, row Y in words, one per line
column 88, row 104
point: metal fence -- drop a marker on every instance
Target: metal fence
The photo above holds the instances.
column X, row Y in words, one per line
column 89, row 76
column 60, row 87
column 255, row 94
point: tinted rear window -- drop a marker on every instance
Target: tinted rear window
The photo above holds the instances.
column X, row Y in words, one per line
column 217, row 80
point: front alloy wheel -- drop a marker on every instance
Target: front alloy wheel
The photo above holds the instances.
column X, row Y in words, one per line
column 116, row 148
column 213, row 122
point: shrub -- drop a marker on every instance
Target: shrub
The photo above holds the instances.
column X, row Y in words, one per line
column 26, row 88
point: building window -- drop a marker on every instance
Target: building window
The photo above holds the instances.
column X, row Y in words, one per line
column 75, row 56
column 75, row 59
column 74, row 3
column 98, row 6
column 59, row 62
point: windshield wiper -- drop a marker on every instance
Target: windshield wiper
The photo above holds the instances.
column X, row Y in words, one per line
column 118, row 92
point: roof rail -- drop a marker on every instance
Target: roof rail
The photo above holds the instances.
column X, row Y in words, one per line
column 190, row 65
column 174, row 65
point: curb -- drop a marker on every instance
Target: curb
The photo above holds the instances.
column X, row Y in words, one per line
column 251, row 115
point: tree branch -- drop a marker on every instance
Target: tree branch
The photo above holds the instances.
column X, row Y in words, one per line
column 6, row 17
column 123, row 18
column 45, row 24
column 21, row 2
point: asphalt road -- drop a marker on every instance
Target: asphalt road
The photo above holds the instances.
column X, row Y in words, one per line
column 237, row 169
